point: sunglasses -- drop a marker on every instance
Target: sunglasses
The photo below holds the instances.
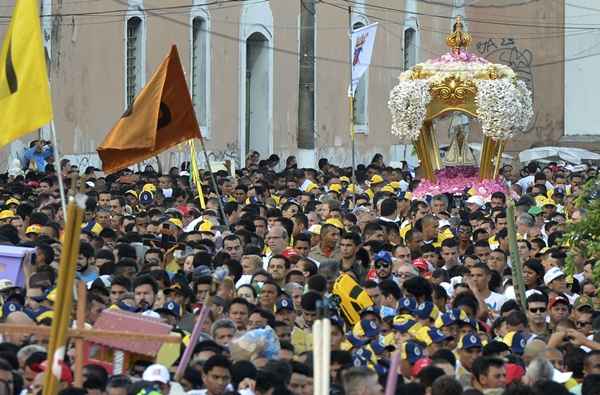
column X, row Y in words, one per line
column 380, row 265
column 538, row 310
column 580, row 324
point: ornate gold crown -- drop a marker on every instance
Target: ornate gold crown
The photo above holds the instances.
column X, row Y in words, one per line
column 458, row 38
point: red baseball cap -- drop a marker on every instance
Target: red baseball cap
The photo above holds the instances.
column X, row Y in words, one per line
column 419, row 365
column 514, row 372
column 558, row 299
column 421, row 265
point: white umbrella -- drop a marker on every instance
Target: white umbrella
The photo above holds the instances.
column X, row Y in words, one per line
column 568, row 154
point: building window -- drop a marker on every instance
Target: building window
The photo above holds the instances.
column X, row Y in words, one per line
column 199, row 70
column 361, row 113
column 134, row 57
column 410, row 48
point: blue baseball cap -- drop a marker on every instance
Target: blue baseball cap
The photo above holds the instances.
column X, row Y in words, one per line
column 284, row 304
column 437, row 336
column 403, row 323
column 470, row 340
column 450, row 317
column 363, row 331
column 379, row 345
column 407, row 304
column 9, row 308
column 516, row 341
column 412, row 351
column 171, row 308
column 361, row 357
column 426, row 310
column 383, row 256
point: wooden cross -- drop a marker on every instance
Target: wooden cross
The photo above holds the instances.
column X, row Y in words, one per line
column 81, row 335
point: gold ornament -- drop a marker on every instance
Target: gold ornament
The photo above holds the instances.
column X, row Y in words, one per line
column 458, row 39
column 453, row 90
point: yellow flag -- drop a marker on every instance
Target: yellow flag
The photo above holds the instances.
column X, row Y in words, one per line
column 25, row 102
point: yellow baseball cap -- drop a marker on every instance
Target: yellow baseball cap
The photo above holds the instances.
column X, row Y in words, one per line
column 5, row 214
column 335, row 188
column 315, row 229
column 177, row 222
column 206, row 226
column 132, row 192
column 36, row 229
column 335, row 222
column 376, row 179
column 387, row 188
column 311, row 185
column 12, row 200
column 149, row 188
column 395, row 184
column 344, row 179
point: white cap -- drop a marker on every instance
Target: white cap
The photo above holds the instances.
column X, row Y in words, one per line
column 552, row 274
column 90, row 184
column 478, row 200
column 151, row 314
column 561, row 377
column 156, row 372
column 443, row 222
column 6, row 283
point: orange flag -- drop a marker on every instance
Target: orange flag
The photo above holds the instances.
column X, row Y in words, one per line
column 160, row 117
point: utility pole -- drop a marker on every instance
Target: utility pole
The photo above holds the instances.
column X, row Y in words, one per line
column 306, row 83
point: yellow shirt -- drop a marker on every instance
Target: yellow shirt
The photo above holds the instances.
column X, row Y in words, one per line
column 301, row 340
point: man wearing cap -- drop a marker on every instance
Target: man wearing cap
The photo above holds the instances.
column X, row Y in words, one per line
column 328, row 249
column 559, row 309
column 474, row 203
column 469, row 349
column 159, row 375
column 383, row 264
column 556, row 280
column 284, row 311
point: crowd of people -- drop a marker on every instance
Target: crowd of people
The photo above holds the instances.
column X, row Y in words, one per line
column 427, row 279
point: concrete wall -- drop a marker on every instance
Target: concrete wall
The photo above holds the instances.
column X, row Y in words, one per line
column 87, row 69
column 582, row 50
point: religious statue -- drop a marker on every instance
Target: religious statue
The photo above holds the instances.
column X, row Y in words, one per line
column 459, row 153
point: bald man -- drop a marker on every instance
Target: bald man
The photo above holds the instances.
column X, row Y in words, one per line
column 18, row 318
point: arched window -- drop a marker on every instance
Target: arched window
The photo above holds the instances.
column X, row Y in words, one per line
column 361, row 102
column 256, row 78
column 200, row 65
column 134, row 60
column 410, row 48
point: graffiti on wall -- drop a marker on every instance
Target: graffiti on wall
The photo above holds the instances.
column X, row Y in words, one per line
column 231, row 153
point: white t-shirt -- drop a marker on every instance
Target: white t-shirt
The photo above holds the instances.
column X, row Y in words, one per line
column 495, row 301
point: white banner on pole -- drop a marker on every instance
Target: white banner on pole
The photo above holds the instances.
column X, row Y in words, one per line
column 363, row 41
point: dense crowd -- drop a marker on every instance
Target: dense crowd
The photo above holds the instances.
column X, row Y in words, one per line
column 276, row 246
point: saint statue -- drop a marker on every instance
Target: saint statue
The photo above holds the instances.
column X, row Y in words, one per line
column 459, row 153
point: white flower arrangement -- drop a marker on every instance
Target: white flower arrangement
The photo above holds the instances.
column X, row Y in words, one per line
column 504, row 104
column 503, row 107
column 408, row 104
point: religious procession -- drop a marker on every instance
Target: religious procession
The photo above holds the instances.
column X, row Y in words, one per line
column 430, row 230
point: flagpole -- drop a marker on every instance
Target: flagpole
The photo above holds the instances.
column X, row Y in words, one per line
column 351, row 101
column 213, row 180
column 61, row 186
